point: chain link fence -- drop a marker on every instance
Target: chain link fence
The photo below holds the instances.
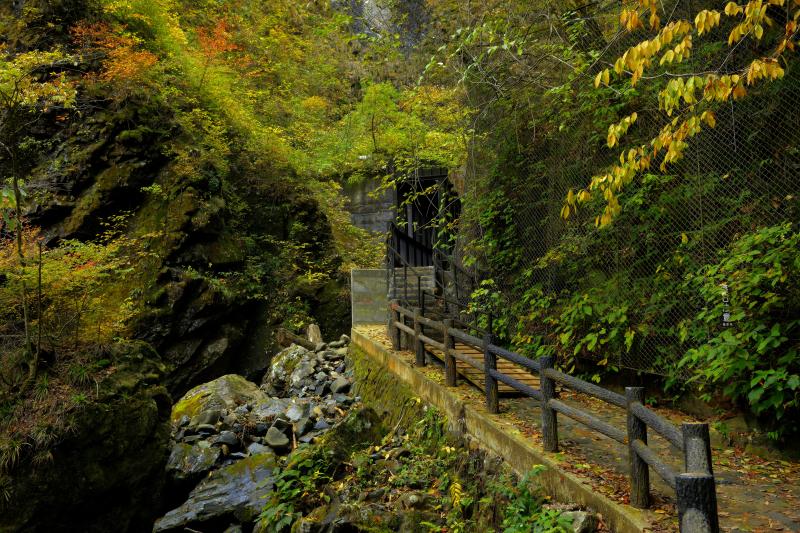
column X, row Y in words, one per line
column 739, row 176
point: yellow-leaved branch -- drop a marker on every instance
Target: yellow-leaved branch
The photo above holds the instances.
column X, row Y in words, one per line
column 686, row 100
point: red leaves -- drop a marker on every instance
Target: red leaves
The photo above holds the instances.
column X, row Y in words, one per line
column 216, row 41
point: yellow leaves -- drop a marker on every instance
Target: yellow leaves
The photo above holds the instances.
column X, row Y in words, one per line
column 684, row 238
column 721, row 88
column 732, row 9
column 655, row 21
column 755, row 17
column 668, row 57
column 679, row 89
column 629, row 19
column 768, row 68
column 709, row 118
column 615, row 131
column 706, row 20
column 456, row 493
column 603, row 77
column 679, row 95
column 787, row 43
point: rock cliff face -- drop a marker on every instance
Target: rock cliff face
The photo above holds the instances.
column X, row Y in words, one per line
column 221, row 253
column 106, row 471
column 97, row 169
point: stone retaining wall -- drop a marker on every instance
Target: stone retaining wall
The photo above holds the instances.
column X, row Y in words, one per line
column 386, row 380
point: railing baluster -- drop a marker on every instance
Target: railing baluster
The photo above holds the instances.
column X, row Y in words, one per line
column 549, row 417
column 490, row 382
column 450, row 374
column 394, row 331
column 639, row 470
column 697, row 448
column 419, row 346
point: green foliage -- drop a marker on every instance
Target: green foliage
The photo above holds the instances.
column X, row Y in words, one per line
column 747, row 334
column 525, row 513
column 293, row 485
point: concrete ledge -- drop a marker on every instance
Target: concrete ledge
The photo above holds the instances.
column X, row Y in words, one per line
column 504, row 440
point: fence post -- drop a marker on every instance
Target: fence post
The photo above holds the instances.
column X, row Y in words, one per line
column 696, row 488
column 419, row 346
column 490, row 383
column 394, row 331
column 697, row 448
column 639, row 470
column 697, row 503
column 549, row 417
column 450, row 377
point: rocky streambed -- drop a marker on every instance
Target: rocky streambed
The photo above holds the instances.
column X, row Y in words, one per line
column 301, row 452
column 230, row 435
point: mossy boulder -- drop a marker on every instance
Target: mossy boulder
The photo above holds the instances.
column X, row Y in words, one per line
column 106, row 472
column 226, row 392
column 235, row 492
column 276, row 380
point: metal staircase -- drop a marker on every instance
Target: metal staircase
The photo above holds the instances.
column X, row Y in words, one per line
column 422, row 276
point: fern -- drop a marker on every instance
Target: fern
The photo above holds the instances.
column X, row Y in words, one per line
column 456, row 492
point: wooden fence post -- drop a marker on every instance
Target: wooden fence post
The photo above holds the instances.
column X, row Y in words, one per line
column 419, row 346
column 639, row 471
column 450, row 377
column 549, row 417
column 697, row 503
column 490, row 383
column 696, row 489
column 394, row 331
column 697, row 448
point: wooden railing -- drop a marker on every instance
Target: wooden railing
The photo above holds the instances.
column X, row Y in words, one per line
column 695, row 486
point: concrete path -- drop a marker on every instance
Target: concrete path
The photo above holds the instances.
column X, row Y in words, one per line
column 754, row 494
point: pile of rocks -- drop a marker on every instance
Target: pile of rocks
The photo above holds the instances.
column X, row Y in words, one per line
column 299, row 373
column 302, row 395
column 229, row 431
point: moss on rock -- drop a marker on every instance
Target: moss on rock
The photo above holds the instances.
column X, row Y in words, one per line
column 226, row 392
column 106, row 472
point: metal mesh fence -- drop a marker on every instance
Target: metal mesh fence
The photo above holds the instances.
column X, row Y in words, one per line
column 741, row 175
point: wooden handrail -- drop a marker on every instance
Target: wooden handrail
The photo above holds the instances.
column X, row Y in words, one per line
column 693, row 487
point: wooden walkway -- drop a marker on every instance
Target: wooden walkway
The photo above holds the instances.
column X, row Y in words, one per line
column 476, row 377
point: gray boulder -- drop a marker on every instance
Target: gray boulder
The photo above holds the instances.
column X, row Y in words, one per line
column 340, row 385
column 276, row 439
column 303, row 426
column 269, row 409
column 582, row 521
column 188, row 461
column 237, row 490
column 303, row 370
column 283, row 364
column 296, row 411
column 226, row 392
column 314, row 334
column 257, row 449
